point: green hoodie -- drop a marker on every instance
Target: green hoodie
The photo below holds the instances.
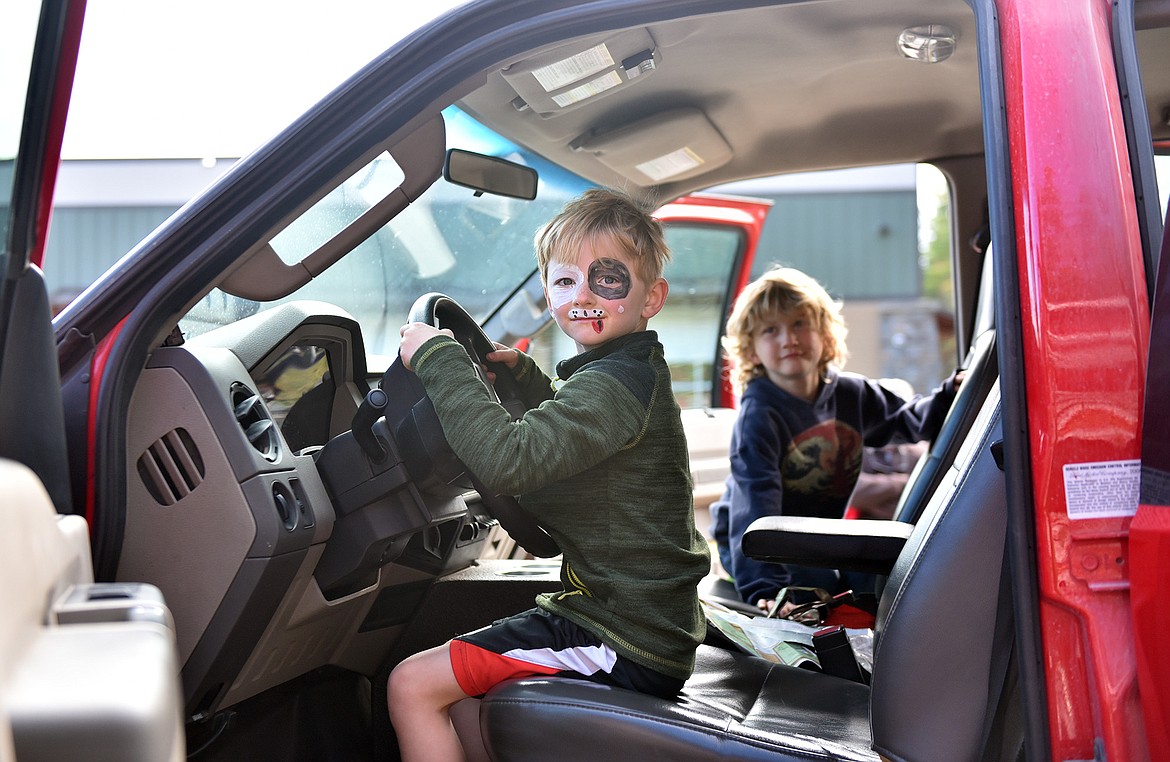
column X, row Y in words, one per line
column 602, row 464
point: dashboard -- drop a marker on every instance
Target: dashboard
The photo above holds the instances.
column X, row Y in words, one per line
column 279, row 546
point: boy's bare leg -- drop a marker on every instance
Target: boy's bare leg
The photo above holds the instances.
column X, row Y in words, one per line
column 465, row 718
column 419, row 694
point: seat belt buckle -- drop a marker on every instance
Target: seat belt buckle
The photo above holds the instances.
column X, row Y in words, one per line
column 836, row 654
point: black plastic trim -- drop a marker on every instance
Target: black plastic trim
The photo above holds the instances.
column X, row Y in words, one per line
column 1009, row 335
column 1138, row 138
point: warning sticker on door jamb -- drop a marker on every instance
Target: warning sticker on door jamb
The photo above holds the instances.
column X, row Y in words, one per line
column 1102, row 490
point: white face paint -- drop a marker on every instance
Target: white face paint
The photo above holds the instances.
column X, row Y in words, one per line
column 580, row 314
column 563, row 281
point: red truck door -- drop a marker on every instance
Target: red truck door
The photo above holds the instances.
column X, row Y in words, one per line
column 713, row 241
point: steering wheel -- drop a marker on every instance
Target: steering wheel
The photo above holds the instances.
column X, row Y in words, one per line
column 442, row 311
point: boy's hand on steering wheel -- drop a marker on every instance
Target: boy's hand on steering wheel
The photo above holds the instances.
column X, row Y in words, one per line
column 503, row 355
column 414, row 335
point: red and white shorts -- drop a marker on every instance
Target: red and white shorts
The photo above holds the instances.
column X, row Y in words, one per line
column 538, row 642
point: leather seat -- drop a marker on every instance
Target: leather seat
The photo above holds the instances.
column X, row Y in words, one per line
column 982, row 371
column 941, row 683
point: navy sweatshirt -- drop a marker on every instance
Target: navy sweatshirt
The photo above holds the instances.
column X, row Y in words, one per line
column 797, row 458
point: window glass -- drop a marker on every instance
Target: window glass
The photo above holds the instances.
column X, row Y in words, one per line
column 691, row 323
column 1162, row 167
column 878, row 239
column 475, row 249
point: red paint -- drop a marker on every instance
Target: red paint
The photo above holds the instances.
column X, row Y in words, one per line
column 55, row 132
column 1149, row 554
column 746, row 214
column 97, row 369
column 1085, row 333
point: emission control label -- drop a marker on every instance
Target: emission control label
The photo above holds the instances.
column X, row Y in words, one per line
column 1102, row 490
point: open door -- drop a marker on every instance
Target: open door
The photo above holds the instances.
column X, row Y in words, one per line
column 32, row 429
column 87, row 671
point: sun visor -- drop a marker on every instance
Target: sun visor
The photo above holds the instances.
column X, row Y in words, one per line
column 663, row 148
column 562, row 79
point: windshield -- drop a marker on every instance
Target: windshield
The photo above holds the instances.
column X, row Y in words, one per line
column 475, row 249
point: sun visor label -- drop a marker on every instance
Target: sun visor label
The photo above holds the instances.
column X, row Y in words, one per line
column 574, row 68
column 588, row 90
column 1102, row 490
column 673, row 163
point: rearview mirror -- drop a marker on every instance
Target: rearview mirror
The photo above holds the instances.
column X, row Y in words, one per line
column 489, row 174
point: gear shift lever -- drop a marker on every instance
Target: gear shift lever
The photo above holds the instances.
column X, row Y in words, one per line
column 371, row 409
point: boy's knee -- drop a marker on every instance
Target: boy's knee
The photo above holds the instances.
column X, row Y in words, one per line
column 419, row 680
column 402, row 683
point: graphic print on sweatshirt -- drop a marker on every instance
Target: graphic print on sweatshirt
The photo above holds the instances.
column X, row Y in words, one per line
column 823, row 461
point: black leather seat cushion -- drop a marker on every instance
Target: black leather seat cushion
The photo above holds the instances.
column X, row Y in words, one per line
column 734, row 707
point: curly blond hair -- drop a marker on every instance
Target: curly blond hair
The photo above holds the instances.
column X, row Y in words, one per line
column 600, row 213
column 781, row 291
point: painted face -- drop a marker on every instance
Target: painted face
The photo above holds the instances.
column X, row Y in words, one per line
column 597, row 296
column 609, row 278
column 789, row 347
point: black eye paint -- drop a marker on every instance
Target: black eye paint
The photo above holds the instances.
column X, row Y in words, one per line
column 607, row 268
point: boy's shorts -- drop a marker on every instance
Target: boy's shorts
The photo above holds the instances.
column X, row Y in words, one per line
column 538, row 642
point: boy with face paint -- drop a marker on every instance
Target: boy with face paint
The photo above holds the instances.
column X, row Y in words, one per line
column 600, row 461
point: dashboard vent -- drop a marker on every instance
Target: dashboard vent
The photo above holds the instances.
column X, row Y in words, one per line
column 253, row 419
column 171, row 468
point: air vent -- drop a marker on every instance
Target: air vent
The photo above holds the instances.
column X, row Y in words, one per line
column 253, row 419
column 171, row 468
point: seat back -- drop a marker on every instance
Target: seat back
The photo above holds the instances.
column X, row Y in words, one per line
column 943, row 641
column 943, row 635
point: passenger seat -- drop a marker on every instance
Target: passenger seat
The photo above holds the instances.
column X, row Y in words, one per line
column 942, row 685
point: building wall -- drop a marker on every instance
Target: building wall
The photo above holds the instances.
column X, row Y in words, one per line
column 84, row 241
column 102, row 209
column 859, row 245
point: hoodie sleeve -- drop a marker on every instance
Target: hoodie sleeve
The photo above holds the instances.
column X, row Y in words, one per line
column 755, row 490
column 886, row 417
column 591, row 418
column 535, row 387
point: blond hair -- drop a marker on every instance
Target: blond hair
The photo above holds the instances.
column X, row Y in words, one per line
column 782, row 291
column 605, row 213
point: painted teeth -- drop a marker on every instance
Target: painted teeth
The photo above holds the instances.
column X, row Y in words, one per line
column 580, row 314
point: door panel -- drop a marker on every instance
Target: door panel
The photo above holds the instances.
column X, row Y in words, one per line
column 89, row 671
column 32, row 430
column 86, row 671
